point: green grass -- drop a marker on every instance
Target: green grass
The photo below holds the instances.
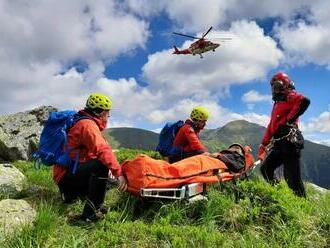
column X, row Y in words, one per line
column 246, row 214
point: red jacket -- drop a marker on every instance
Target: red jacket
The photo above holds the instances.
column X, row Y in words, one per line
column 87, row 137
column 187, row 138
column 285, row 112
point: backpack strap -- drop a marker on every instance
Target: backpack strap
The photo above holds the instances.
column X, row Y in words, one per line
column 77, row 117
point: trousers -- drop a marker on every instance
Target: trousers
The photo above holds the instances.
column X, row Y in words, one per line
column 87, row 183
column 289, row 155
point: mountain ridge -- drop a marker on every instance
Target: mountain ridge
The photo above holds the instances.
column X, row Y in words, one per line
column 315, row 157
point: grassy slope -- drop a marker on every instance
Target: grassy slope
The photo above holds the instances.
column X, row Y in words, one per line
column 250, row 214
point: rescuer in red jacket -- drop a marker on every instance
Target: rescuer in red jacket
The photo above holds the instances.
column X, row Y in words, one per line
column 95, row 159
column 187, row 139
column 282, row 131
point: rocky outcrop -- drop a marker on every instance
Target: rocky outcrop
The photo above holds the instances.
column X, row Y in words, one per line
column 12, row 181
column 19, row 133
column 15, row 214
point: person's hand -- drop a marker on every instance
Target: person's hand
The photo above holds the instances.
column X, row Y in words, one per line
column 122, row 183
column 262, row 152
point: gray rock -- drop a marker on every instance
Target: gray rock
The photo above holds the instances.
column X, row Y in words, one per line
column 14, row 214
column 12, row 181
column 20, row 133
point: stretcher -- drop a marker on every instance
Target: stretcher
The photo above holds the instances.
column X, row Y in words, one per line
column 189, row 192
column 185, row 192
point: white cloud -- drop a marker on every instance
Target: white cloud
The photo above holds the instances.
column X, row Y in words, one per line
column 247, row 57
column 302, row 25
column 132, row 100
column 254, row 96
column 114, row 123
column 307, row 40
column 324, row 142
column 157, row 130
column 320, row 124
column 41, row 38
column 305, row 43
column 219, row 115
column 197, row 16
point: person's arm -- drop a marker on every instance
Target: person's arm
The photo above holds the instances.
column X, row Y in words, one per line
column 267, row 136
column 194, row 141
column 93, row 140
column 300, row 104
column 265, row 141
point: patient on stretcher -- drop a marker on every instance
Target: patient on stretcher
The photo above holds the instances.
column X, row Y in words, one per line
column 145, row 172
column 233, row 157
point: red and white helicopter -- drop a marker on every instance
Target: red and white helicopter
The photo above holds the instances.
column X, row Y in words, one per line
column 200, row 46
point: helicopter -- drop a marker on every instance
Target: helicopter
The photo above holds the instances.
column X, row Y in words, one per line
column 200, row 46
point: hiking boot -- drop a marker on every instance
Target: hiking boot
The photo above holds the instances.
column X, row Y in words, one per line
column 94, row 218
column 80, row 217
column 103, row 209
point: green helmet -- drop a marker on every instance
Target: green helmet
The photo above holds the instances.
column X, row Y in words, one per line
column 199, row 114
column 98, row 100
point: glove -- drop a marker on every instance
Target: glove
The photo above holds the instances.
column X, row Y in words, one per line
column 122, row 183
column 262, row 152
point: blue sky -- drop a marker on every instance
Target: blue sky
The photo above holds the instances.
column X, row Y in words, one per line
column 58, row 52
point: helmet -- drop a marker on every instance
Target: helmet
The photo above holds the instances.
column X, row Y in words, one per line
column 98, row 100
column 283, row 79
column 199, row 114
column 238, row 147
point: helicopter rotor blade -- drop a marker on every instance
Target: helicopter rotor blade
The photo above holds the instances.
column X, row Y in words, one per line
column 221, row 39
column 189, row 36
column 207, row 32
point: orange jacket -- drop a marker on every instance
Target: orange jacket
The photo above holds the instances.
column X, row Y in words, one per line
column 86, row 137
column 187, row 138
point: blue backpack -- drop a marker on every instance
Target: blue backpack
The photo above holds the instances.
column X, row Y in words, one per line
column 166, row 138
column 53, row 146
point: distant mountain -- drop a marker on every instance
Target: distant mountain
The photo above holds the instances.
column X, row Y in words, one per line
column 315, row 157
column 241, row 131
column 134, row 138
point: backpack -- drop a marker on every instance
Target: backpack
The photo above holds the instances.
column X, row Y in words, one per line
column 166, row 138
column 53, row 146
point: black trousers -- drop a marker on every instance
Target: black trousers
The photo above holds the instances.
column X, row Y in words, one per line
column 175, row 158
column 287, row 154
column 89, row 183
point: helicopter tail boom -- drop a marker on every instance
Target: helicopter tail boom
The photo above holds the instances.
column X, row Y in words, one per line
column 184, row 51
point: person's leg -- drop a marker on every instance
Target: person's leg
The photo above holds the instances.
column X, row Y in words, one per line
column 292, row 172
column 90, row 181
column 271, row 162
column 72, row 187
column 96, row 188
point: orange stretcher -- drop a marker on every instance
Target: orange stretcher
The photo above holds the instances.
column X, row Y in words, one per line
column 148, row 177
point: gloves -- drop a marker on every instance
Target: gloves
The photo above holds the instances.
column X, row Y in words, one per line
column 262, row 152
column 122, row 183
